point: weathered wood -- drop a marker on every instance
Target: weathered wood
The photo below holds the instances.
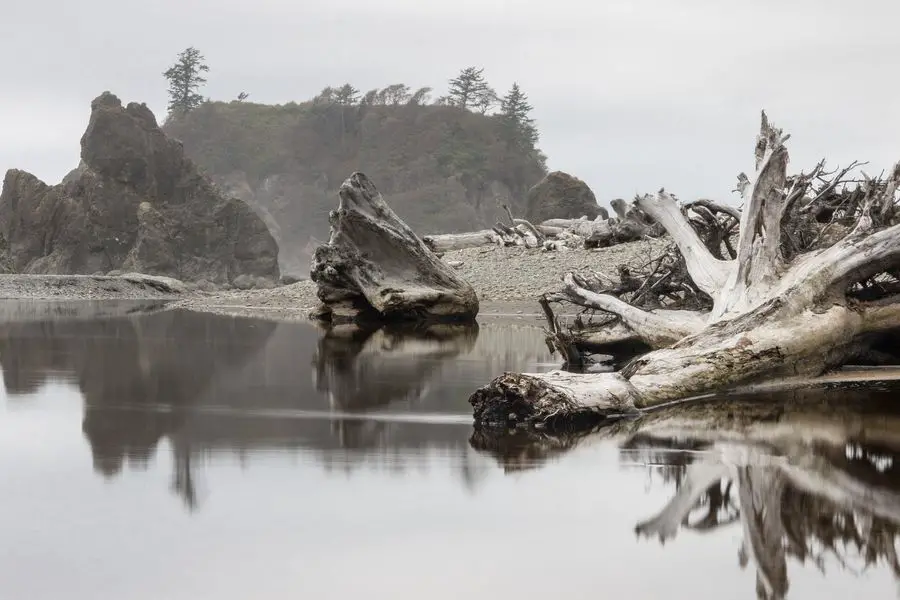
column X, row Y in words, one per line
column 558, row 339
column 771, row 316
column 581, row 227
column 375, row 268
column 558, row 398
column 524, row 223
column 446, row 242
column 708, row 273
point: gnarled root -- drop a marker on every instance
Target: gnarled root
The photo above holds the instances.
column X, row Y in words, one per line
column 557, row 399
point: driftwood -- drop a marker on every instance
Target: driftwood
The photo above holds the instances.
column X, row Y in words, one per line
column 552, row 234
column 375, row 268
column 445, row 242
column 518, row 232
column 792, row 303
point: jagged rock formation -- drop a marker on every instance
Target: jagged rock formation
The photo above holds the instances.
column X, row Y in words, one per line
column 562, row 196
column 136, row 203
column 374, row 268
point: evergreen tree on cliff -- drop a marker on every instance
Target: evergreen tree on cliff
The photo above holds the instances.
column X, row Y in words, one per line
column 470, row 90
column 185, row 80
column 515, row 114
column 346, row 95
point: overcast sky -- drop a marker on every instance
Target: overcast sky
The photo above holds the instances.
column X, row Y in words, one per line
column 629, row 95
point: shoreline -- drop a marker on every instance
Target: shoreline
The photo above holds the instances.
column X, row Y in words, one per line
column 508, row 282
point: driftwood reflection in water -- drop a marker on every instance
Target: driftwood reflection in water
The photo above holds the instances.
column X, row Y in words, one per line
column 361, row 369
column 811, row 476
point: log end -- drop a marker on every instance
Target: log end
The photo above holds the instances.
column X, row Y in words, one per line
column 557, row 400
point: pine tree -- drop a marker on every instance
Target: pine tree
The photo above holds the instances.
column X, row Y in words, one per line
column 470, row 90
column 346, row 95
column 185, row 80
column 515, row 115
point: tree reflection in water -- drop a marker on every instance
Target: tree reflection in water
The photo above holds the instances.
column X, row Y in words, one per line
column 810, row 476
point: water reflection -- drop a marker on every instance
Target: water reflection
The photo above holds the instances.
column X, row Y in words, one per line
column 327, row 452
column 361, row 369
column 811, row 476
column 346, row 398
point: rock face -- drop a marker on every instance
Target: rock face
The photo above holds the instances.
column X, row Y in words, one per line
column 561, row 196
column 134, row 204
column 374, row 268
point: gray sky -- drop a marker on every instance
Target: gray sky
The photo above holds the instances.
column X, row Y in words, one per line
column 629, row 95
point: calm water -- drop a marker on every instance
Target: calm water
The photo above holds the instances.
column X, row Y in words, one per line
column 183, row 456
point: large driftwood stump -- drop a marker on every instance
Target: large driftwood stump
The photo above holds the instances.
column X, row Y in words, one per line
column 794, row 301
column 374, row 268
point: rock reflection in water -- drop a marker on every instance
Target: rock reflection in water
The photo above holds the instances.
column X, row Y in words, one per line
column 215, row 384
column 127, row 369
column 811, row 476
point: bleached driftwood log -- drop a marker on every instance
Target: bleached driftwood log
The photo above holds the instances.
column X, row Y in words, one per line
column 601, row 233
column 519, row 233
column 552, row 234
column 782, row 307
column 445, row 242
column 375, row 268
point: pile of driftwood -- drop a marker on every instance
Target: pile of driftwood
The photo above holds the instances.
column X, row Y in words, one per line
column 554, row 234
column 810, row 282
column 805, row 277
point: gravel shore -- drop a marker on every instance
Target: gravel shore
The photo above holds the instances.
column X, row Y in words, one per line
column 507, row 281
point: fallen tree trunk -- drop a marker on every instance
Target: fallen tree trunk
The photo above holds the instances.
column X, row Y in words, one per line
column 446, row 242
column 374, row 268
column 778, row 309
column 551, row 234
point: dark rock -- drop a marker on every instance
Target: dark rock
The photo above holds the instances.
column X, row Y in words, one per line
column 561, row 196
column 135, row 203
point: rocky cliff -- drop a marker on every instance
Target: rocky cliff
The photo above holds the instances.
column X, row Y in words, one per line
column 135, row 203
column 562, row 196
column 441, row 168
